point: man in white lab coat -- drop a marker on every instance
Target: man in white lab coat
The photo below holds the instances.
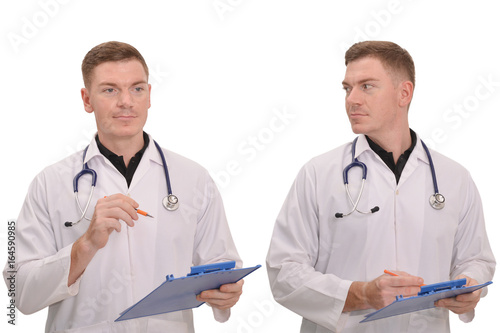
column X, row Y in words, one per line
column 91, row 271
column 328, row 265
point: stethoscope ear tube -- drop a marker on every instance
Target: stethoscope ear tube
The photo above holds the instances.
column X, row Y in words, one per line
column 355, row 204
column 345, row 175
column 355, row 163
column 84, row 171
column 84, row 211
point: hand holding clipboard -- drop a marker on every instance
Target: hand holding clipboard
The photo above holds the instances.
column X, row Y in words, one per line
column 426, row 298
column 177, row 294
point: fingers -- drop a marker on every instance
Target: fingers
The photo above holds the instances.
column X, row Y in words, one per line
column 106, row 219
column 223, row 298
column 401, row 285
column 383, row 290
column 120, row 207
column 462, row 303
column 404, row 278
column 470, row 281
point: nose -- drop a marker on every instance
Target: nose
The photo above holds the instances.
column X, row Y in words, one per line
column 125, row 99
column 353, row 97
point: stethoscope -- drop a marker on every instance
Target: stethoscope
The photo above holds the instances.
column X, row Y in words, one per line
column 436, row 200
column 170, row 202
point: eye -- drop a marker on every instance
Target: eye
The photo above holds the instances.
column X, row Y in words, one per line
column 138, row 89
column 347, row 89
column 366, row 86
column 109, row 90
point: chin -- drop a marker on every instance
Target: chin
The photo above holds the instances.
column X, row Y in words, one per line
column 357, row 129
column 129, row 131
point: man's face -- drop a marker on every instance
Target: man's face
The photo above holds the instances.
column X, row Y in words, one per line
column 119, row 96
column 372, row 100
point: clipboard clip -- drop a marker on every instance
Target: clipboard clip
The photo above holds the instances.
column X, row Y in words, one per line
column 210, row 268
column 437, row 288
column 442, row 286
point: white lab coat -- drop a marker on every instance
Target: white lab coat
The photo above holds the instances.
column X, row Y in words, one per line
column 135, row 260
column 314, row 257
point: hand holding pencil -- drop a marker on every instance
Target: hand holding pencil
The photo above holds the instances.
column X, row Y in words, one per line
column 143, row 213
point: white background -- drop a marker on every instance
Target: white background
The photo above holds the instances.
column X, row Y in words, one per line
column 221, row 71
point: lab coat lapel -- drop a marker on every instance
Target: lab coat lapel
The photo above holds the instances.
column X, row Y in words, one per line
column 151, row 155
column 104, row 167
column 418, row 155
column 92, row 150
column 373, row 162
column 361, row 145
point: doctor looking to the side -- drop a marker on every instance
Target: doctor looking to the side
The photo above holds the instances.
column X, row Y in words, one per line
column 90, row 259
column 417, row 214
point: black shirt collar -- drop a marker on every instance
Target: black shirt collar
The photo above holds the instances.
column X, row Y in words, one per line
column 117, row 161
column 387, row 157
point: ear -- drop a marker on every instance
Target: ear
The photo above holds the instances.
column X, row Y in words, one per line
column 406, row 93
column 86, row 100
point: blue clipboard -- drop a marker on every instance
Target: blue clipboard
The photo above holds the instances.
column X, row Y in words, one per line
column 177, row 294
column 425, row 298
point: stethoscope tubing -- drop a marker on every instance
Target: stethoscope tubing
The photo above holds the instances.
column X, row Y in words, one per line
column 165, row 167
column 433, row 171
column 171, row 202
column 355, row 204
column 436, row 200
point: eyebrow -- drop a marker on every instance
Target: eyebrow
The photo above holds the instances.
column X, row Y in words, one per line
column 112, row 84
column 344, row 83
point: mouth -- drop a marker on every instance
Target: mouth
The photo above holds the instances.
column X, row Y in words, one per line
column 357, row 115
column 124, row 117
column 355, row 111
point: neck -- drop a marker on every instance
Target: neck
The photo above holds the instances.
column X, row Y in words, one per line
column 396, row 142
column 126, row 147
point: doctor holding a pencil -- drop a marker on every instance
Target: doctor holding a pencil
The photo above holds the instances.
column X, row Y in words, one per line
column 364, row 208
column 88, row 268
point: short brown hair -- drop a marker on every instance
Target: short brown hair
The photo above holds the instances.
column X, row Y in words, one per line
column 392, row 56
column 109, row 51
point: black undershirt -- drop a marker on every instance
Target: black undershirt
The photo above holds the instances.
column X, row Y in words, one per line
column 388, row 158
column 117, row 161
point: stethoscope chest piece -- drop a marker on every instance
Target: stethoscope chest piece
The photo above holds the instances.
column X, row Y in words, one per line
column 437, row 201
column 171, row 202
